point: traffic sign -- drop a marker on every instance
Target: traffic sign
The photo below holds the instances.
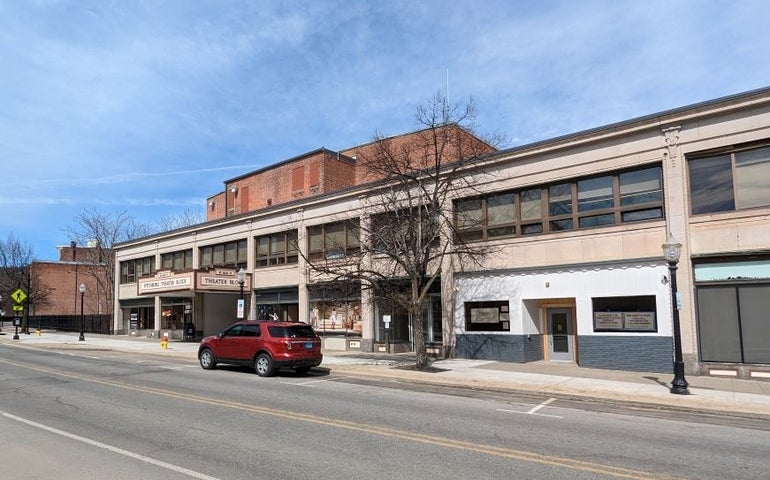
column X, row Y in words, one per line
column 18, row 308
column 18, row 296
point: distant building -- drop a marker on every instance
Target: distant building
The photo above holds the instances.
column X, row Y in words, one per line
column 61, row 281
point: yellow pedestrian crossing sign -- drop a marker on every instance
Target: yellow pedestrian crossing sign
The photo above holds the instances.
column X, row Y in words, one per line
column 18, row 296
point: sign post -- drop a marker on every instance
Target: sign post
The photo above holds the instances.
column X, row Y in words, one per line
column 386, row 321
column 18, row 296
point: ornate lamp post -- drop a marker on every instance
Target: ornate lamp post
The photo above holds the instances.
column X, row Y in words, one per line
column 241, row 281
column 82, row 290
column 671, row 251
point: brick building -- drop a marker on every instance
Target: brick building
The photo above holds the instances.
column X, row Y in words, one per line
column 61, row 280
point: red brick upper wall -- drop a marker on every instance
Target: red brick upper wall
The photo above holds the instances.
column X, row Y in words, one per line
column 323, row 171
column 417, row 150
column 318, row 172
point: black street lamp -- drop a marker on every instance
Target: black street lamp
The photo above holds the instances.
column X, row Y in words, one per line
column 241, row 281
column 671, row 252
column 82, row 290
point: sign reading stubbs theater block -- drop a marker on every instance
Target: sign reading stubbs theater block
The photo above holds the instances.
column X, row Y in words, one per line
column 164, row 282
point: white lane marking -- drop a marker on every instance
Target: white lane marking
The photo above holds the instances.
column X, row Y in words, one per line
column 310, row 383
column 120, row 451
column 528, row 413
column 533, row 411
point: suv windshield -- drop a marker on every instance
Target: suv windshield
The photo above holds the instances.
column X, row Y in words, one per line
column 297, row 331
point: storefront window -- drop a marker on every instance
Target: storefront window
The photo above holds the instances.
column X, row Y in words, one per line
column 492, row 316
column 336, row 309
column 625, row 314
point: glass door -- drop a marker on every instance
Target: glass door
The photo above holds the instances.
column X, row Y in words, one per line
column 561, row 346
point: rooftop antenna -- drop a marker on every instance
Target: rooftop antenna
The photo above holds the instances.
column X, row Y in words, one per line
column 446, row 107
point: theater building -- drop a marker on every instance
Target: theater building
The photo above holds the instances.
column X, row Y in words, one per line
column 577, row 272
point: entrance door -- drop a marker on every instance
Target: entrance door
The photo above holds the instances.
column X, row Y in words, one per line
column 561, row 345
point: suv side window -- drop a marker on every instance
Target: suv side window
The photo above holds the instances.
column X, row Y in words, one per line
column 251, row 331
column 235, row 331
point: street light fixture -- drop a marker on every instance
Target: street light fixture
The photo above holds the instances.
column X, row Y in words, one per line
column 241, row 279
column 671, row 251
column 241, row 303
column 82, row 290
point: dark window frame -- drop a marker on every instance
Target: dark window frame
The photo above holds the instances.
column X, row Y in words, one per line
column 551, row 222
column 208, row 255
column 730, row 203
column 624, row 307
column 177, row 261
column 326, row 250
column 503, row 323
column 289, row 255
column 132, row 270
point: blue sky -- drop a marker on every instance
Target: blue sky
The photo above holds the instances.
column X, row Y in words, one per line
column 148, row 106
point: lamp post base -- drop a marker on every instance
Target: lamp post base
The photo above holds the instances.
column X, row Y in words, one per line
column 82, row 337
column 679, row 384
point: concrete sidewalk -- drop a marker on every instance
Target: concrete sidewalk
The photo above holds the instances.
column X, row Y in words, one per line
column 746, row 397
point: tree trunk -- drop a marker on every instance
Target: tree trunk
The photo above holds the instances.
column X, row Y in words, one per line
column 419, row 339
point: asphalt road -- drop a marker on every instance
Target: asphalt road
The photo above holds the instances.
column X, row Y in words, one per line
column 92, row 414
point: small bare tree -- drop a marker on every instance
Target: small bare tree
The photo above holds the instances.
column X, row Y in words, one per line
column 16, row 259
column 99, row 231
column 407, row 223
column 183, row 219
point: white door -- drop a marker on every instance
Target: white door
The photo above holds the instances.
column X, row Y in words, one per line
column 561, row 339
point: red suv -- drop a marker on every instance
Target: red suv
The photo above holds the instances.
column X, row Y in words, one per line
column 265, row 346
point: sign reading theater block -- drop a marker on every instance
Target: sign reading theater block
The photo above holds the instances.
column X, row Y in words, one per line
column 221, row 279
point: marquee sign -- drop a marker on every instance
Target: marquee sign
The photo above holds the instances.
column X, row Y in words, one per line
column 165, row 282
column 221, row 279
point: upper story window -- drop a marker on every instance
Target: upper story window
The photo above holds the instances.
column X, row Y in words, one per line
column 277, row 249
column 224, row 254
column 398, row 231
column 181, row 260
column 611, row 199
column 729, row 181
column 131, row 270
column 333, row 240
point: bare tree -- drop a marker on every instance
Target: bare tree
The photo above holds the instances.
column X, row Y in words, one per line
column 16, row 259
column 99, row 231
column 406, row 229
column 183, row 219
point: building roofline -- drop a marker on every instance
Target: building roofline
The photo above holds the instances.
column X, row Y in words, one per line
column 272, row 166
column 759, row 92
column 413, row 132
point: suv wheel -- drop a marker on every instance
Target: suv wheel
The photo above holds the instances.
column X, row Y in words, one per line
column 264, row 365
column 207, row 359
